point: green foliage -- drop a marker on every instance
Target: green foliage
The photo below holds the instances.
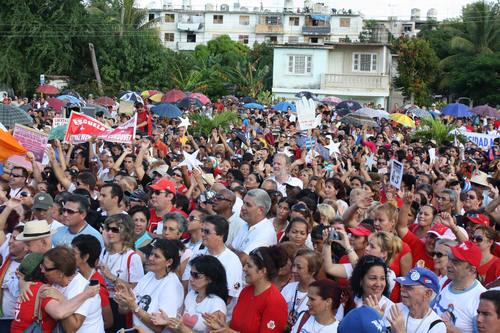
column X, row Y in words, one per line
column 435, row 129
column 367, row 34
column 417, row 68
column 202, row 124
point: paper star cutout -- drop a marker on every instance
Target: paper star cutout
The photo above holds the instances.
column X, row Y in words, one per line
column 184, row 122
column 287, row 151
column 333, row 147
column 190, row 160
column 370, row 162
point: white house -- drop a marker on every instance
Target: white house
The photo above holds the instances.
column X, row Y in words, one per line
column 351, row 71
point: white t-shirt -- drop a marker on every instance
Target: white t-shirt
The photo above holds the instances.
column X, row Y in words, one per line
column 235, row 223
column 117, row 264
column 90, row 309
column 10, row 287
column 250, row 238
column 391, row 275
column 152, row 295
column 290, row 293
column 293, row 181
column 311, row 325
column 462, row 306
column 422, row 325
column 193, row 311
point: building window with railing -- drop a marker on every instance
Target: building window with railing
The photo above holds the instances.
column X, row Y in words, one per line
column 218, row 19
column 299, row 64
column 244, row 20
column 191, row 38
column 168, row 37
column 273, row 20
column 293, row 39
column 294, row 21
column 271, row 39
column 243, row 39
column 345, row 22
column 364, row 62
column 151, row 17
column 169, row 18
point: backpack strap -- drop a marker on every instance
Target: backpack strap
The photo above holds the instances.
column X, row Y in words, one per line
column 434, row 323
column 303, row 320
column 36, row 311
column 129, row 258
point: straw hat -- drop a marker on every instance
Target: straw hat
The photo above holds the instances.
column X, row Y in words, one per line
column 480, row 178
column 35, row 229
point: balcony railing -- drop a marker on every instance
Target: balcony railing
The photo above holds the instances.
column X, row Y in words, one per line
column 316, row 30
column 185, row 46
column 190, row 26
column 268, row 29
column 355, row 81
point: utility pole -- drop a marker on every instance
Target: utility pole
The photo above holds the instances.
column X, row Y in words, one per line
column 96, row 69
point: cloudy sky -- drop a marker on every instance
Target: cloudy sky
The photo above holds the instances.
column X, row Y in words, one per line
column 377, row 9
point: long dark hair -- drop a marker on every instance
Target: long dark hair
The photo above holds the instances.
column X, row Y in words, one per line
column 212, row 268
column 362, row 267
column 330, row 289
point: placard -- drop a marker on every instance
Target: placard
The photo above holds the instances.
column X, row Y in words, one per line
column 396, row 174
column 31, row 139
column 59, row 122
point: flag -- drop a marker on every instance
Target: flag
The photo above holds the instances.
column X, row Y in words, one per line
column 9, row 146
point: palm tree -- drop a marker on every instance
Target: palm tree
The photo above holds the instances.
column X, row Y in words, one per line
column 248, row 77
column 435, row 129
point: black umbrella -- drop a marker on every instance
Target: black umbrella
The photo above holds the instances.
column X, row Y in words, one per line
column 185, row 103
column 348, row 105
column 248, row 99
column 306, row 94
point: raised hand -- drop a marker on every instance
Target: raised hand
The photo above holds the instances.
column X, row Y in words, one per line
column 396, row 319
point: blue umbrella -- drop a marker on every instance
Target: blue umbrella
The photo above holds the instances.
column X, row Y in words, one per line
column 248, row 99
column 185, row 103
column 457, row 110
column 70, row 99
column 253, row 106
column 283, row 106
column 166, row 110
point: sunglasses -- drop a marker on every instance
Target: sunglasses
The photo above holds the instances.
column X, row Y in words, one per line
column 70, row 211
column 25, row 194
column 196, row 275
column 220, row 197
column 477, row 239
column 438, row 254
column 45, row 269
column 114, row 230
column 16, row 176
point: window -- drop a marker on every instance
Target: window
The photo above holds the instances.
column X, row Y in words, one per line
column 299, row 64
column 151, row 16
column 168, row 37
column 272, row 20
column 294, row 21
column 218, row 19
column 364, row 62
column 191, row 38
column 293, row 39
column 244, row 20
column 314, row 40
column 272, row 39
column 243, row 39
column 169, row 18
column 345, row 22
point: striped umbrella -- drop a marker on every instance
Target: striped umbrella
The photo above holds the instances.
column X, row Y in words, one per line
column 11, row 115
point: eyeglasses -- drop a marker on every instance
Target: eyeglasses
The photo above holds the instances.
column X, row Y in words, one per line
column 16, row 176
column 46, row 269
column 196, row 275
column 25, row 194
column 220, row 197
column 70, row 211
column 114, row 230
column 477, row 239
column 193, row 218
column 438, row 254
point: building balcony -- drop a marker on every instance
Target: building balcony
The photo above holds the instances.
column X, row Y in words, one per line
column 268, row 29
column 194, row 27
column 185, row 46
column 316, row 30
column 355, row 82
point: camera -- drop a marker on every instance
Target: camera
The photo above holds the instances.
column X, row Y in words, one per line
column 334, row 235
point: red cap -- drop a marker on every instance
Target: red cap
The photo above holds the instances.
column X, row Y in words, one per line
column 164, row 184
column 438, row 229
column 468, row 252
column 479, row 219
column 360, row 231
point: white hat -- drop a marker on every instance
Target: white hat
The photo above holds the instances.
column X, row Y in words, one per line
column 480, row 178
column 35, row 229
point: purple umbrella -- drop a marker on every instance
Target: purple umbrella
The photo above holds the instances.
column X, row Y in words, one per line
column 486, row 111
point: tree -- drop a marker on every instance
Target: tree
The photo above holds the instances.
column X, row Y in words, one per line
column 248, row 78
column 435, row 129
column 417, row 68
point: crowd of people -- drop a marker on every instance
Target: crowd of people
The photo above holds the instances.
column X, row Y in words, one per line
column 252, row 230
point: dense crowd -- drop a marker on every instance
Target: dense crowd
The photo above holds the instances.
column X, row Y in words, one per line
column 265, row 228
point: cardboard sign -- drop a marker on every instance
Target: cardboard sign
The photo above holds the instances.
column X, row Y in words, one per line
column 396, row 177
column 59, row 122
column 31, row 139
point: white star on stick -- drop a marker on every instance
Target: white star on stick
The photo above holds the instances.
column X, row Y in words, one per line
column 333, row 147
column 184, row 122
column 190, row 160
column 370, row 162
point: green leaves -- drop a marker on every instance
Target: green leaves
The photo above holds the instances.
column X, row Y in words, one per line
column 203, row 125
column 435, row 129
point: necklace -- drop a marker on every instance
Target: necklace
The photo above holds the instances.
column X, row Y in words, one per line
column 421, row 321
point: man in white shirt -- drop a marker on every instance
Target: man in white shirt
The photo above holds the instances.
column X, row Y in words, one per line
column 222, row 204
column 258, row 230
column 458, row 302
column 281, row 173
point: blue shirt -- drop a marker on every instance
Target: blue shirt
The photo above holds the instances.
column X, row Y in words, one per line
column 64, row 236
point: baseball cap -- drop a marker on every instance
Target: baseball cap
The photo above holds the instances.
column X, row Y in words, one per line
column 438, row 229
column 164, row 184
column 422, row 276
column 359, row 231
column 468, row 252
column 30, row 262
column 42, row 201
column 363, row 319
column 479, row 219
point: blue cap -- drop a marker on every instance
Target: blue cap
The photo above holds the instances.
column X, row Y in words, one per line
column 363, row 319
column 422, row 276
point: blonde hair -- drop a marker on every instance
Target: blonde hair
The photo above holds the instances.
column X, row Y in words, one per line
column 327, row 210
column 389, row 243
column 390, row 210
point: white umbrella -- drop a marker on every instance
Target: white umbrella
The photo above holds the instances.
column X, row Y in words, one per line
column 372, row 113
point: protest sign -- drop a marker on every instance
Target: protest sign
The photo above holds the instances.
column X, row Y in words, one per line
column 59, row 122
column 482, row 140
column 31, row 139
column 306, row 114
column 396, row 174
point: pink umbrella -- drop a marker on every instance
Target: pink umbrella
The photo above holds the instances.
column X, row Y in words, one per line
column 331, row 100
column 105, row 101
column 47, row 89
column 173, row 96
column 199, row 96
column 55, row 103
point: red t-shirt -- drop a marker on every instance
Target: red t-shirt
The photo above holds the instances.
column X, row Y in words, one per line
column 343, row 281
column 103, row 292
column 25, row 310
column 155, row 219
column 418, row 250
column 142, row 117
column 483, row 269
column 265, row 313
column 396, row 268
column 493, row 273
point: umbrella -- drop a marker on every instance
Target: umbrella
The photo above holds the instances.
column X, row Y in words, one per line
column 457, row 110
column 283, row 106
column 47, row 89
column 72, row 93
column 202, row 98
column 253, row 106
column 306, row 94
column 372, row 113
column 56, row 104
column 105, row 101
column 348, row 105
column 11, row 115
column 185, row 103
column 248, row 99
column 10, row 146
column 331, row 100
column 420, row 113
column 131, row 96
column 232, row 99
column 58, row 132
column 240, row 135
column 26, row 107
column 70, row 99
column 402, row 119
column 99, row 108
column 149, row 93
column 173, row 96
column 357, row 120
column 166, row 110
column 486, row 110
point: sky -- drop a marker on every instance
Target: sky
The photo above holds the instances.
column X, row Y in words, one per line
column 371, row 9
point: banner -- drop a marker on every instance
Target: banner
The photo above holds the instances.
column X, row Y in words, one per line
column 31, row 139
column 482, row 140
column 57, row 121
column 82, row 127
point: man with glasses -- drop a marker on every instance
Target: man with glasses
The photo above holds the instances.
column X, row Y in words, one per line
column 17, row 182
column 162, row 202
column 75, row 211
column 223, row 203
column 458, row 301
column 195, row 229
